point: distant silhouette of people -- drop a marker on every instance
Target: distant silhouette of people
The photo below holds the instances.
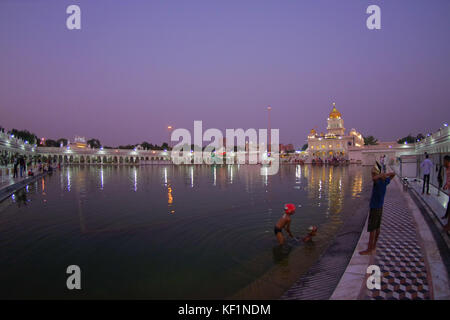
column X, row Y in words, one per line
column 426, row 166
column 447, row 187
column 22, row 166
column 440, row 177
column 16, row 163
column 383, row 163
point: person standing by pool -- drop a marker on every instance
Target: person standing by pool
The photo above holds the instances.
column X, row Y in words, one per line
column 426, row 165
column 284, row 223
column 380, row 182
column 16, row 163
column 383, row 162
column 447, row 187
column 22, row 166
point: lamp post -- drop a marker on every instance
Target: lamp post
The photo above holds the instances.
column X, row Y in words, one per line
column 169, row 129
column 269, row 147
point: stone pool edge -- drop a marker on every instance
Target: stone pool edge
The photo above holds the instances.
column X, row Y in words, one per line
column 321, row 280
column 8, row 190
column 350, row 286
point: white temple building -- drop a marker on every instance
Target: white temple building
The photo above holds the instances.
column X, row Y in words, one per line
column 335, row 142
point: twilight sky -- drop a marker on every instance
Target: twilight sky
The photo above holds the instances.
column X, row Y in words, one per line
column 139, row 65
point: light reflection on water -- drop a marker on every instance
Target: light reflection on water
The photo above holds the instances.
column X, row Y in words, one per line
column 167, row 231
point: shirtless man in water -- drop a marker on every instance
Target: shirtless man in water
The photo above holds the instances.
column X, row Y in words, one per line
column 284, row 222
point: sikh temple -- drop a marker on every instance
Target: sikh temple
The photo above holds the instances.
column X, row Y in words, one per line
column 334, row 143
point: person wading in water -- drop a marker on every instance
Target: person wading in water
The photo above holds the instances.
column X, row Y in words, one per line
column 284, row 222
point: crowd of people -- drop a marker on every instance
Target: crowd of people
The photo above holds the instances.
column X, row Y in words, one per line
column 23, row 167
column 427, row 166
column 381, row 180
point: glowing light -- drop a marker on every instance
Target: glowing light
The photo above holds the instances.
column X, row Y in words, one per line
column 101, row 178
column 169, row 197
column 68, row 180
column 135, row 179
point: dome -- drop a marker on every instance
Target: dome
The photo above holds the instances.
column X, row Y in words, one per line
column 313, row 131
column 334, row 114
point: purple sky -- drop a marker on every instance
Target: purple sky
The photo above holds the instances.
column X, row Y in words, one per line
column 137, row 66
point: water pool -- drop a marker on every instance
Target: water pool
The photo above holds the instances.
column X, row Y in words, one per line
column 169, row 232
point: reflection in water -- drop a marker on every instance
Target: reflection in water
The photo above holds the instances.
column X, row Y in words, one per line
column 223, row 235
column 68, row 180
column 165, row 176
column 280, row 254
column 298, row 174
column 135, row 179
column 20, row 197
column 169, row 192
column 101, row 178
column 266, row 176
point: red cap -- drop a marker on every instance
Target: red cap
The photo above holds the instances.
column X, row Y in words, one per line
column 289, row 208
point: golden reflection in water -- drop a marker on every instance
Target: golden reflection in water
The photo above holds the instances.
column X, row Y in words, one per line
column 357, row 183
column 170, row 191
column 326, row 182
column 335, row 190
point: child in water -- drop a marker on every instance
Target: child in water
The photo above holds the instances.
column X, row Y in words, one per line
column 284, row 222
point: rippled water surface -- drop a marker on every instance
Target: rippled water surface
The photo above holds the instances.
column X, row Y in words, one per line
column 169, row 231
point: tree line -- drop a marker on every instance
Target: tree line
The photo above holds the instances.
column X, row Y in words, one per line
column 32, row 138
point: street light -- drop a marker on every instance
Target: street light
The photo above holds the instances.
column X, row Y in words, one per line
column 269, row 147
column 169, row 129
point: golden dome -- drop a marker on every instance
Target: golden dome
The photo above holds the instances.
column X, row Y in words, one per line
column 313, row 131
column 334, row 114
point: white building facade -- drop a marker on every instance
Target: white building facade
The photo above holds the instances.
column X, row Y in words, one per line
column 335, row 142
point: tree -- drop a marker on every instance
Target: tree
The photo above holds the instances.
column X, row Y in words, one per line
column 51, row 143
column 25, row 135
column 305, row 146
column 146, row 146
column 94, row 143
column 370, row 141
column 63, row 141
column 408, row 139
column 165, row 146
column 127, row 147
column 420, row 137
